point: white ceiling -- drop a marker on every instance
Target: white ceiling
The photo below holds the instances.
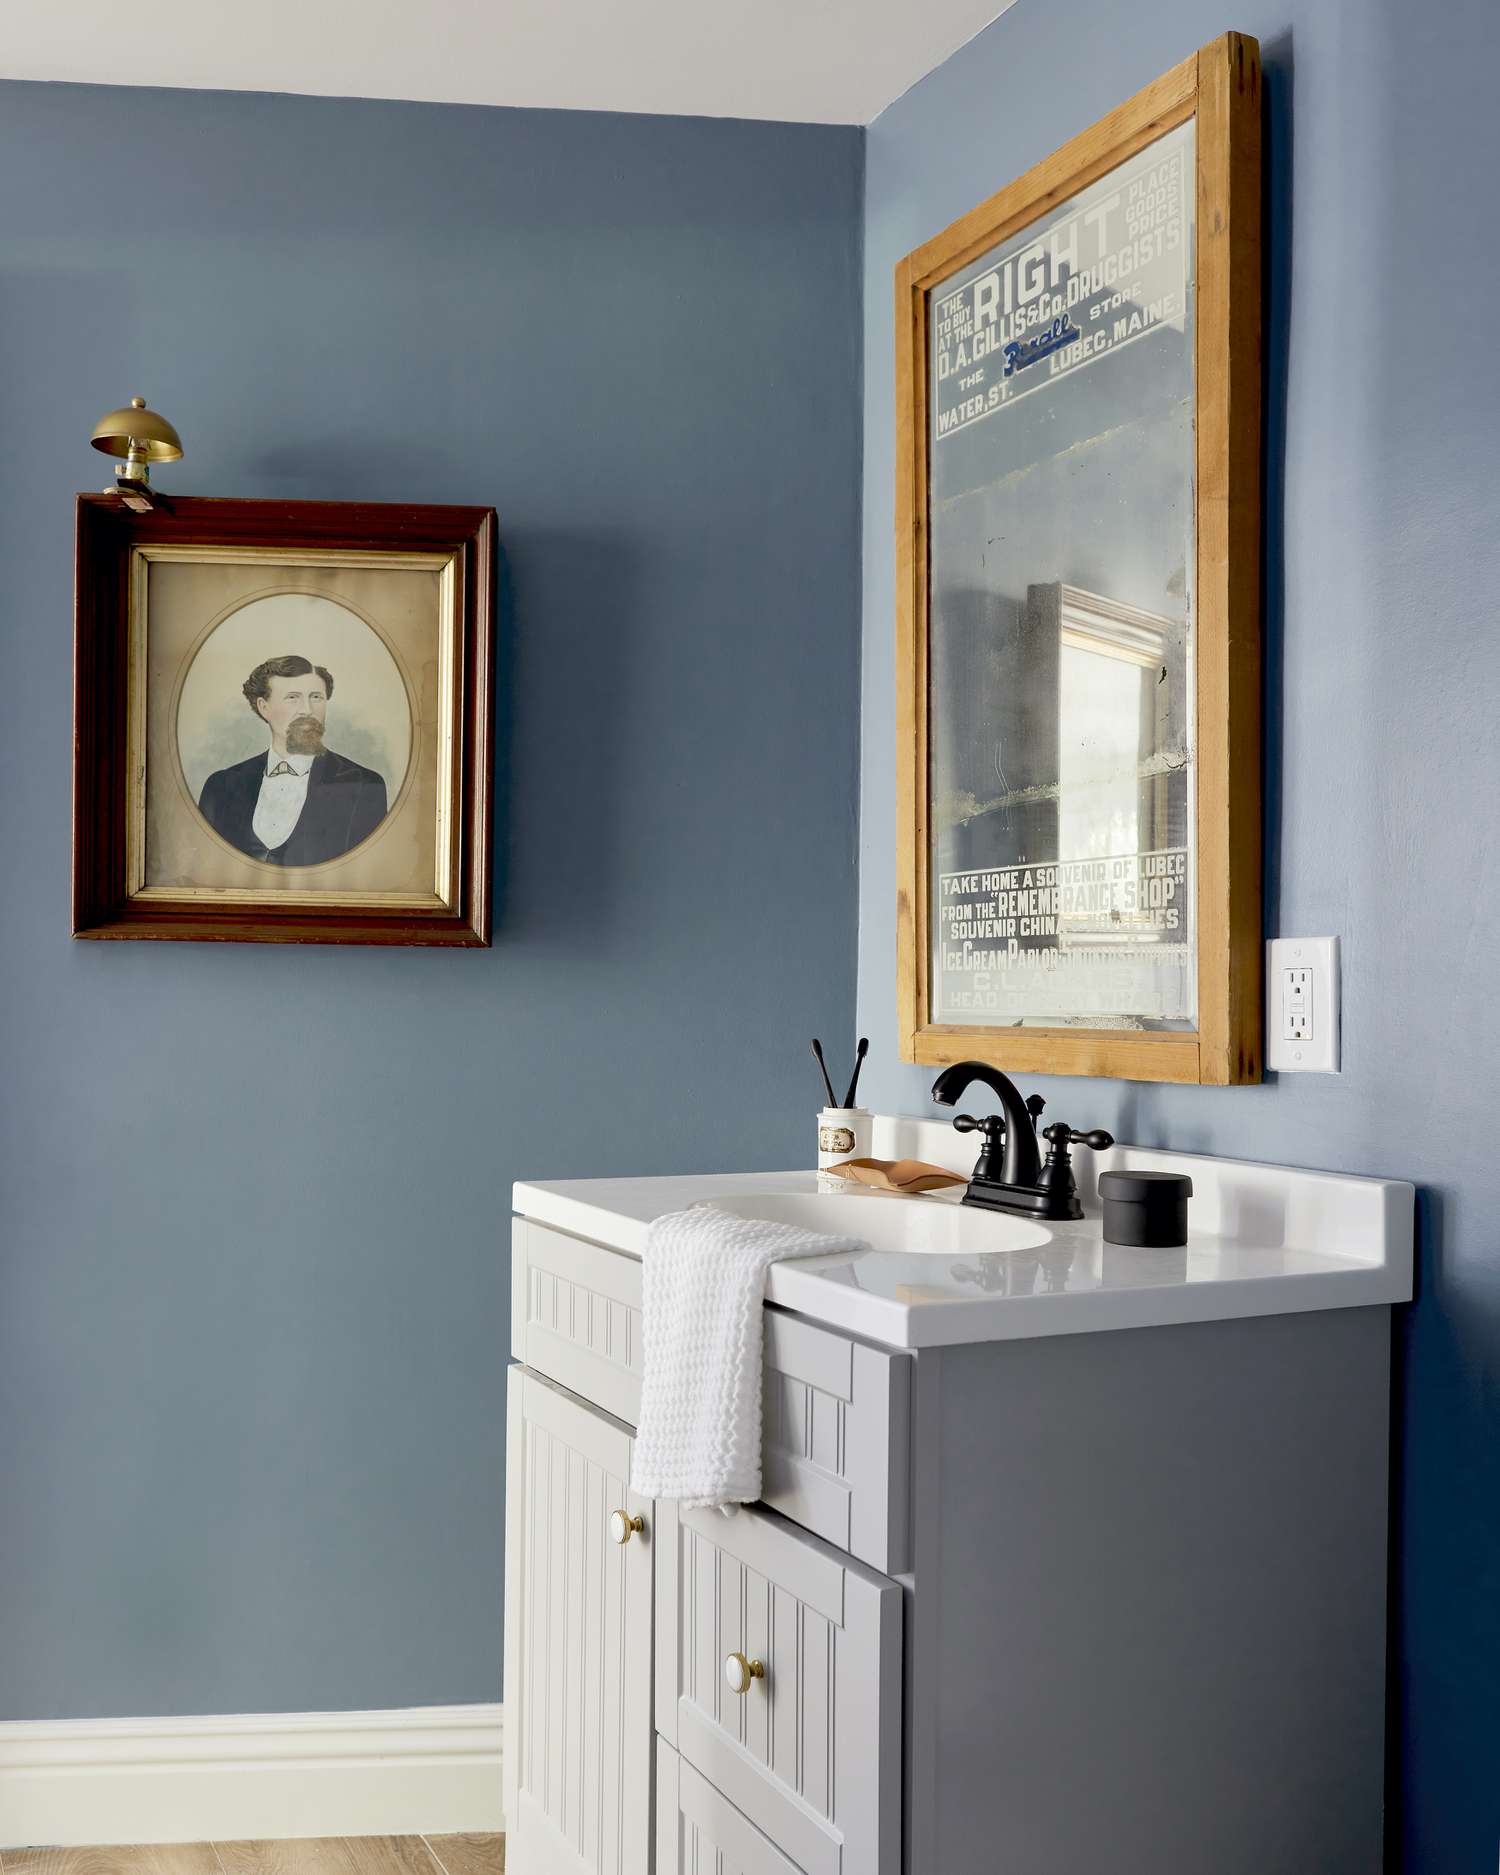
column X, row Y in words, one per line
column 824, row 61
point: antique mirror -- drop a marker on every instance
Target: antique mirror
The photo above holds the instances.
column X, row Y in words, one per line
column 1078, row 602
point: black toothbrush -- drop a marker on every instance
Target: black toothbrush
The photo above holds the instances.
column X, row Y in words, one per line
column 859, row 1062
column 823, row 1069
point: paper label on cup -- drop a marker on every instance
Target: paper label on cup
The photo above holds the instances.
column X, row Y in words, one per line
column 835, row 1139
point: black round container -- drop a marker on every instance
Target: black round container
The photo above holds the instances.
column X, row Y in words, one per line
column 1148, row 1209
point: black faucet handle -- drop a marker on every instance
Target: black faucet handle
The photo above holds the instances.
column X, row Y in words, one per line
column 986, row 1166
column 992, row 1126
column 1062, row 1135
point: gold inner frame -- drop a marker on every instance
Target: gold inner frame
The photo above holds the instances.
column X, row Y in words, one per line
column 450, row 750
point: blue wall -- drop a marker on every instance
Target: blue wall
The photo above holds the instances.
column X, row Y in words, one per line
column 251, row 1354
column 253, row 1313
column 1383, row 663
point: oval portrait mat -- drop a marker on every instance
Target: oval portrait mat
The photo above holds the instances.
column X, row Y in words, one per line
column 369, row 714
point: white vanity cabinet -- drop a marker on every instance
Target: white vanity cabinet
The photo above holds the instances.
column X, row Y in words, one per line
column 801, row 1757
column 1022, row 1594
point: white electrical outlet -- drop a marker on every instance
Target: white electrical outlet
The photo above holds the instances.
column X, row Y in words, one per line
column 1296, row 1003
column 1302, row 1005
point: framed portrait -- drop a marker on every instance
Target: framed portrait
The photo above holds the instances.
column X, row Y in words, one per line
column 1078, row 394
column 283, row 722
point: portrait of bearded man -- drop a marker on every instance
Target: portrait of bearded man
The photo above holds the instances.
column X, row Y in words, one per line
column 299, row 803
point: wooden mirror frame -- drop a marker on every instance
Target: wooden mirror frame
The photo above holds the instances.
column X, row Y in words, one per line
column 1220, row 88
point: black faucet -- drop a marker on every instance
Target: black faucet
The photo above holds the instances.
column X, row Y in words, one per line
column 1021, row 1182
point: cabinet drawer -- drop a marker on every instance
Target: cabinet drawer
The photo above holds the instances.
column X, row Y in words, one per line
column 698, row 1831
column 575, row 1315
column 810, row 1753
column 836, row 1413
column 834, row 1448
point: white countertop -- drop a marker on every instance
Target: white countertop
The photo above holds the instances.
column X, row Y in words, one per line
column 1263, row 1240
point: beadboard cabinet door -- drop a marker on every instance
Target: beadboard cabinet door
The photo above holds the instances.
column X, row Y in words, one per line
column 578, row 1610
column 778, row 1681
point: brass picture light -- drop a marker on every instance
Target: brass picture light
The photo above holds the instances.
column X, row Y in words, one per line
column 139, row 437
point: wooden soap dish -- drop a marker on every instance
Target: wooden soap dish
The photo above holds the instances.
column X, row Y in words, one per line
column 900, row 1175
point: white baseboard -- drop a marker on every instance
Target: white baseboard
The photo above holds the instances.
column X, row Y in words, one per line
column 431, row 1769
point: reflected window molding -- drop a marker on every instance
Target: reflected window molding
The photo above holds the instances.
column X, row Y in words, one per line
column 1092, row 622
column 1129, row 808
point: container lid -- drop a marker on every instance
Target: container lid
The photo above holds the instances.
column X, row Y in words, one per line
column 1142, row 1187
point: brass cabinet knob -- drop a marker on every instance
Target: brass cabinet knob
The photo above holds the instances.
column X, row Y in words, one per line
column 622, row 1525
column 739, row 1672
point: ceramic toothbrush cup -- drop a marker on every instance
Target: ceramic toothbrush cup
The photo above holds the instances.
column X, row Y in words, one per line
column 843, row 1133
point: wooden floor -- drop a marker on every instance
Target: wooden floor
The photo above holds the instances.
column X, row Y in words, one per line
column 318, row 1855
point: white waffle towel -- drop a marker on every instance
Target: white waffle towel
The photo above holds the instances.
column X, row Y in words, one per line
column 701, row 1334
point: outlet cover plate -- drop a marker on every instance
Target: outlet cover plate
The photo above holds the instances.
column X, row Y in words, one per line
column 1302, row 1005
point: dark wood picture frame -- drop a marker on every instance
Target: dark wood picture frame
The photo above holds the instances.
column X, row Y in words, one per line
column 107, row 537
column 1219, row 89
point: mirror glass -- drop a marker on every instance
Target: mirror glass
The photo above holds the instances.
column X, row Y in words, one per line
column 1060, row 620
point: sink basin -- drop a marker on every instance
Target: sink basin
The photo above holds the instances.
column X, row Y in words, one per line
column 924, row 1226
